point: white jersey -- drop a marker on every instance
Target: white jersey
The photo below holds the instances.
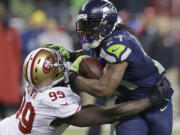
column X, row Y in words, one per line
column 38, row 110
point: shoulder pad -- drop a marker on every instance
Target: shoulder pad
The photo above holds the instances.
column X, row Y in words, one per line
column 59, row 95
column 115, row 53
column 116, row 49
column 55, row 103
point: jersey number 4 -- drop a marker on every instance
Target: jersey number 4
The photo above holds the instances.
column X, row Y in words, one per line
column 27, row 113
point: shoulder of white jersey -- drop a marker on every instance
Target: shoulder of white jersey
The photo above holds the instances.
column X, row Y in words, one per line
column 115, row 48
column 60, row 102
column 57, row 96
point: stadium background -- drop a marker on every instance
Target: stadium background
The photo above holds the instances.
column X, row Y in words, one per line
column 156, row 23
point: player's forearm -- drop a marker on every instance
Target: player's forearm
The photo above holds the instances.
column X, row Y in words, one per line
column 106, row 85
column 98, row 115
column 128, row 109
column 93, row 86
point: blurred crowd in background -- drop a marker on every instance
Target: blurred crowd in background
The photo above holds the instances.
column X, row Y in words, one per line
column 27, row 24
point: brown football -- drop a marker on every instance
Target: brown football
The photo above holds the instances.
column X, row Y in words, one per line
column 90, row 67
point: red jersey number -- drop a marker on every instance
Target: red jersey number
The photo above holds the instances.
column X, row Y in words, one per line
column 55, row 95
column 25, row 126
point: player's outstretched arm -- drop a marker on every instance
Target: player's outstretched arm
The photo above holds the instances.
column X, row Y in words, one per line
column 93, row 115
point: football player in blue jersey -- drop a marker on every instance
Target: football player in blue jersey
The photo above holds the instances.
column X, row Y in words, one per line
column 128, row 70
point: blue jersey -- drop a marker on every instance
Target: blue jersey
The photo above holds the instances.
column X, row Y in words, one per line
column 142, row 71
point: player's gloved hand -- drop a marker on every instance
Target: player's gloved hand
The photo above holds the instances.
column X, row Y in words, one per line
column 161, row 91
column 74, row 71
column 64, row 52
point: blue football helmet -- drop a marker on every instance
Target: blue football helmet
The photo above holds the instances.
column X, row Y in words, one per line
column 98, row 16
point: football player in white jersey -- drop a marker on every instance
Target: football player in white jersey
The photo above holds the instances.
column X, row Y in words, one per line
column 48, row 105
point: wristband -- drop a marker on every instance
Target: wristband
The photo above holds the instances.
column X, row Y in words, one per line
column 72, row 77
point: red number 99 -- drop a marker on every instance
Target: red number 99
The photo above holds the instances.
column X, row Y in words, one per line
column 54, row 95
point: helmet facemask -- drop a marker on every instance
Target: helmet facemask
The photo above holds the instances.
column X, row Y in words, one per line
column 84, row 27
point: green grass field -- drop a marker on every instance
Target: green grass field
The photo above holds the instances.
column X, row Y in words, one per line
column 83, row 131
column 176, row 133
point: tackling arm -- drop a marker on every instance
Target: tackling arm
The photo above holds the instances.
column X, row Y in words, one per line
column 91, row 115
column 106, row 85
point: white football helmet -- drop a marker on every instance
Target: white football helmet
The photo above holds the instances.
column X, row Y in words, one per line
column 43, row 68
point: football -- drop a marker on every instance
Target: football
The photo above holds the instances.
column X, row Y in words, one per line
column 90, row 68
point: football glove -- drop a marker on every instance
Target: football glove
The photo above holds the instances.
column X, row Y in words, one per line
column 160, row 91
column 64, row 52
column 75, row 66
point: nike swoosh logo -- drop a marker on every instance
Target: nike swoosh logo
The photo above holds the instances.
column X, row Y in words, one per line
column 162, row 109
column 113, row 50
